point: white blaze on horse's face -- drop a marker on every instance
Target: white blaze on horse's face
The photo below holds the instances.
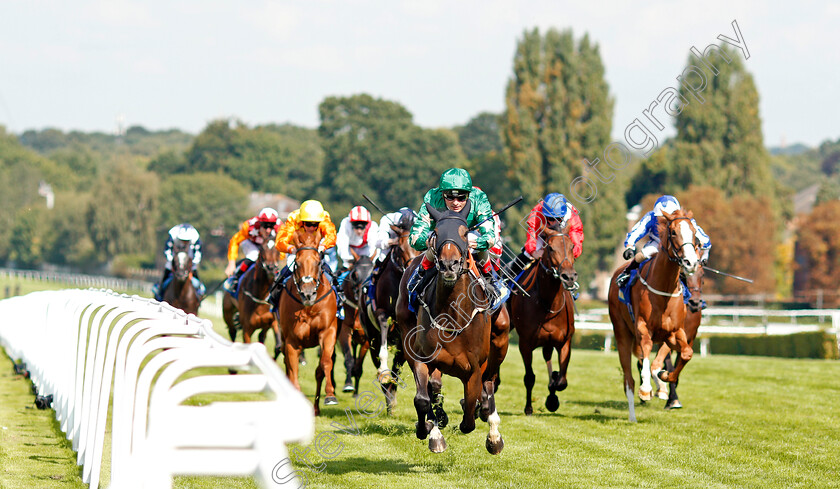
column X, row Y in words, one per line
column 689, row 260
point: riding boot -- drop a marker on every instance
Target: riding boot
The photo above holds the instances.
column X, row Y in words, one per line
column 336, row 285
column 232, row 282
column 490, row 277
column 621, row 280
column 277, row 287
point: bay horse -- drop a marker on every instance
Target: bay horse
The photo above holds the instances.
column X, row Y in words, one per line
column 351, row 334
column 657, row 304
column 692, row 325
column 452, row 333
column 379, row 318
column 251, row 311
column 180, row 292
column 545, row 317
column 306, row 313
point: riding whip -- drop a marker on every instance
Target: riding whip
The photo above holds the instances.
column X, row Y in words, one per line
column 510, row 204
column 747, row 280
column 380, row 209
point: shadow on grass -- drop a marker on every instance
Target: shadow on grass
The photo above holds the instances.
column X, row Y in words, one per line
column 380, row 467
column 620, row 405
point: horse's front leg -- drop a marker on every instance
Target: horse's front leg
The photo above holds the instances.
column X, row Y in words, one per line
column 472, row 392
column 345, row 334
column 327, row 343
column 422, row 403
column 382, row 319
column 657, row 365
column 494, row 443
column 646, row 345
column 681, row 345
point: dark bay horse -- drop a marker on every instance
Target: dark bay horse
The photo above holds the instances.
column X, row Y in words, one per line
column 379, row 318
column 306, row 313
column 545, row 318
column 180, row 292
column 452, row 333
column 250, row 310
column 692, row 324
column 657, row 304
column 350, row 330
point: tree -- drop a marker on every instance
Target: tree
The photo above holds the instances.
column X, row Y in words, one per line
column 558, row 113
column 372, row 147
column 215, row 205
column 818, row 243
column 121, row 215
column 480, row 136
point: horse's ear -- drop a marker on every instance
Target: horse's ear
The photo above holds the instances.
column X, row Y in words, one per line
column 296, row 239
column 689, row 214
column 465, row 212
column 436, row 214
column 668, row 216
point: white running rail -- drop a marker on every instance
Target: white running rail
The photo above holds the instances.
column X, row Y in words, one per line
column 86, row 347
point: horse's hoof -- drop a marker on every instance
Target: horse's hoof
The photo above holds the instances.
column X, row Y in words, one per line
column 232, row 371
column 552, row 403
column 466, row 427
column 436, row 442
column 426, row 429
column 529, row 410
column 663, row 376
column 662, row 394
column 645, row 395
column 495, row 448
column 348, row 387
column 384, row 378
column 676, row 404
column 330, row 401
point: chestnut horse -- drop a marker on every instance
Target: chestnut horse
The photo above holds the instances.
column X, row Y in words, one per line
column 452, row 333
column 250, row 311
column 306, row 313
column 692, row 324
column 545, row 318
column 350, row 329
column 657, row 304
column 180, row 292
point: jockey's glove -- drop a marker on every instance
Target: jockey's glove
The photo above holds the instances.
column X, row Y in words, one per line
column 629, row 252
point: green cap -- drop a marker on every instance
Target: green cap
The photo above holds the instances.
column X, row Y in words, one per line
column 455, row 179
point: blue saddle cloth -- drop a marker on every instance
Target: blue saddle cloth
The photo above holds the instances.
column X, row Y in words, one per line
column 624, row 292
column 235, row 293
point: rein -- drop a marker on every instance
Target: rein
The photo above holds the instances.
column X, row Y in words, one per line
column 297, row 284
column 476, row 309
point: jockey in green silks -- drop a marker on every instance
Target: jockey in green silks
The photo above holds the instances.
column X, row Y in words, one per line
column 453, row 191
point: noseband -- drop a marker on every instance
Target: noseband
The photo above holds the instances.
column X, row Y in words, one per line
column 554, row 271
column 308, row 278
column 679, row 253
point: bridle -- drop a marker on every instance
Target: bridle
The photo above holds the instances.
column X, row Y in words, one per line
column 307, row 279
column 679, row 252
column 397, row 251
column 272, row 269
column 554, row 271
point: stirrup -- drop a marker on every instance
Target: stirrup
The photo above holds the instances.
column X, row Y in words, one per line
column 621, row 280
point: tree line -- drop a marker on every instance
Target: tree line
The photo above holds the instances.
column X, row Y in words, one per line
column 117, row 195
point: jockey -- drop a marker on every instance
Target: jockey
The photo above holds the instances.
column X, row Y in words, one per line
column 188, row 234
column 387, row 237
column 311, row 217
column 453, row 191
column 554, row 210
column 251, row 235
column 647, row 227
column 357, row 233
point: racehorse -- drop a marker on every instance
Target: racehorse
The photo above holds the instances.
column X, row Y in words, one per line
column 545, row 317
column 250, row 310
column 452, row 333
column 350, row 329
column 306, row 313
column 379, row 318
column 180, row 292
column 692, row 324
column 657, row 305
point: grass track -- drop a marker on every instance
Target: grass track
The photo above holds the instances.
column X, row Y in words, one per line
column 747, row 422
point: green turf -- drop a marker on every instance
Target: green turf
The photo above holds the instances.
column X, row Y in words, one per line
column 747, row 422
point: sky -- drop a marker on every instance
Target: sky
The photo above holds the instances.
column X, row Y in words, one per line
column 82, row 65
